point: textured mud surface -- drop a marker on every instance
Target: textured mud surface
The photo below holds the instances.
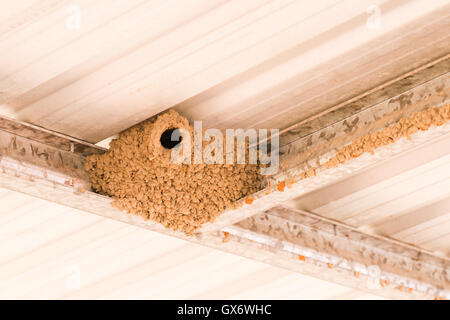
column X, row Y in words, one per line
column 419, row 121
column 138, row 173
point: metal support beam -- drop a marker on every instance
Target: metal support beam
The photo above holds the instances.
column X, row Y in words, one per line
column 281, row 237
column 305, row 157
column 328, row 244
column 49, row 165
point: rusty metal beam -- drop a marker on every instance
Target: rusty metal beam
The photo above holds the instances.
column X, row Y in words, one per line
column 50, row 165
column 309, row 153
column 48, row 138
column 358, row 103
column 325, row 244
column 324, row 249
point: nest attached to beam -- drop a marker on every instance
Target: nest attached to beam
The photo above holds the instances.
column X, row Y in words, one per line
column 138, row 173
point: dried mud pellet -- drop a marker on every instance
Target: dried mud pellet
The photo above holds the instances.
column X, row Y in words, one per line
column 290, row 183
column 249, row 200
column 311, row 172
column 280, row 186
column 406, row 127
column 226, row 236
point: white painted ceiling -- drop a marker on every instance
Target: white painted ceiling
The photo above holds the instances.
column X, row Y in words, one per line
column 50, row 251
column 93, row 68
column 232, row 64
column 406, row 198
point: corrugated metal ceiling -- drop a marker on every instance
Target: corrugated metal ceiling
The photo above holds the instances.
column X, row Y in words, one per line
column 50, row 251
column 229, row 63
column 406, row 198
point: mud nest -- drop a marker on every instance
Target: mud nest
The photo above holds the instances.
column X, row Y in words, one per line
column 138, row 173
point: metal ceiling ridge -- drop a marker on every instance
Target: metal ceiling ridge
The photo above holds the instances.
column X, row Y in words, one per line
column 303, row 164
column 50, row 166
column 48, row 137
